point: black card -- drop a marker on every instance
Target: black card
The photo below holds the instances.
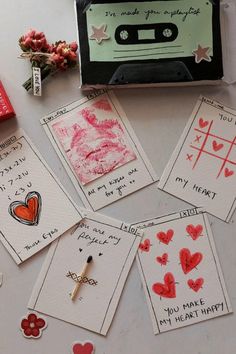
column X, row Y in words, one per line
column 149, row 42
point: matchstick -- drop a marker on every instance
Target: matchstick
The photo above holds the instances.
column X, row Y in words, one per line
column 82, row 274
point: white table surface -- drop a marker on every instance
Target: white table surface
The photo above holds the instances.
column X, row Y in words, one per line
column 158, row 117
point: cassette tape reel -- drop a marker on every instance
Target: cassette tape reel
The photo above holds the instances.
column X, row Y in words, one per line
column 146, row 33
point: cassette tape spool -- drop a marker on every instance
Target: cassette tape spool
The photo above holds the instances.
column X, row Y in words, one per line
column 146, row 33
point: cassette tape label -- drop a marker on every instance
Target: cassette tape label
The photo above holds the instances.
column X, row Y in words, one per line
column 146, row 34
column 150, row 29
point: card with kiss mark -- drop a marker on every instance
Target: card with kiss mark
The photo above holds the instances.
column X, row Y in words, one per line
column 112, row 246
column 34, row 207
column 202, row 169
column 99, row 149
column 181, row 274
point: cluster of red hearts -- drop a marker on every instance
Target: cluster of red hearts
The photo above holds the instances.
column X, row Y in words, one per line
column 188, row 262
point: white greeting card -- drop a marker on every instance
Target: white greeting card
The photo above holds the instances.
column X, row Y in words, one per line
column 34, row 207
column 180, row 271
column 112, row 246
column 202, row 169
column 99, row 149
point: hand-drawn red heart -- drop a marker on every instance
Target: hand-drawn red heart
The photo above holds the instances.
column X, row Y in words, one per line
column 188, row 261
column 194, row 231
column 195, row 285
column 203, row 123
column 162, row 259
column 167, row 289
column 216, row 146
column 228, row 172
column 165, row 237
column 86, row 348
column 145, row 246
column 27, row 212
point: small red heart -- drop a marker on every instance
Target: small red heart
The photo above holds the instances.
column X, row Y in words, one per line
column 195, row 285
column 167, row 289
column 194, row 231
column 228, row 172
column 86, row 348
column 188, row 261
column 203, row 123
column 163, row 259
column 165, row 237
column 145, row 246
column 216, row 146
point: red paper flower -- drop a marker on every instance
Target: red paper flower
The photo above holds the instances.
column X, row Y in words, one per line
column 32, row 326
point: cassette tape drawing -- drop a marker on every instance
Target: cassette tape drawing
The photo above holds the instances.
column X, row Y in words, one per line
column 149, row 42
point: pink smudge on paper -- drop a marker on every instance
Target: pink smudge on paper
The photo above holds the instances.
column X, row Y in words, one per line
column 94, row 147
column 103, row 104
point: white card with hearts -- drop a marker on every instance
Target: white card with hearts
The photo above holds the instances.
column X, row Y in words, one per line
column 99, row 149
column 180, row 271
column 108, row 246
column 34, row 207
column 202, row 169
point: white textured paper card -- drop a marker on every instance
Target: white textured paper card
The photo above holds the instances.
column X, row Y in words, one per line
column 34, row 207
column 202, row 169
column 180, row 271
column 99, row 149
column 112, row 245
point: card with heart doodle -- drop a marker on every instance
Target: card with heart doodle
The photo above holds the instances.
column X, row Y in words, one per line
column 99, row 149
column 202, row 169
column 34, row 207
column 110, row 247
column 180, row 270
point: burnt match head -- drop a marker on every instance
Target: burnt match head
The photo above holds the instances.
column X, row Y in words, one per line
column 90, row 258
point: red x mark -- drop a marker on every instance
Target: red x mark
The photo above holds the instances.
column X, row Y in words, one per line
column 198, row 137
column 189, row 157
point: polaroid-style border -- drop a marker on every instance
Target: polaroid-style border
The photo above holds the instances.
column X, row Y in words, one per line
column 4, row 238
column 49, row 260
column 125, row 122
column 178, row 150
column 172, row 217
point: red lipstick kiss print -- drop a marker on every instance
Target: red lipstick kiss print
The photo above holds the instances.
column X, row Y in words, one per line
column 216, row 146
column 27, row 212
column 162, row 259
column 203, row 123
column 228, row 172
column 145, row 246
column 165, row 237
column 103, row 105
column 167, row 289
column 194, row 231
column 195, row 285
column 86, row 348
column 189, row 261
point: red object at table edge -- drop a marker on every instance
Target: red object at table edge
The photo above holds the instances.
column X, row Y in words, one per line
column 6, row 109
